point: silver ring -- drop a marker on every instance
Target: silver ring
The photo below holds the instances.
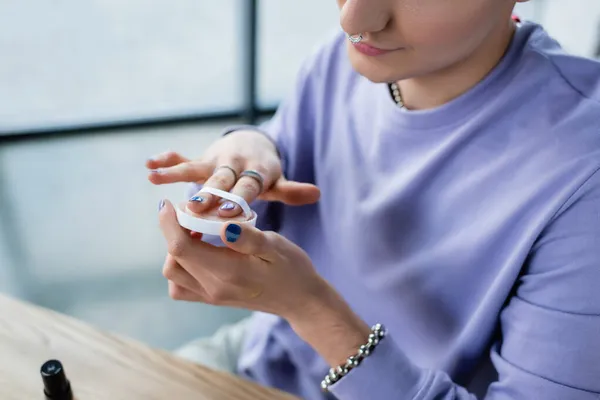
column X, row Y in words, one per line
column 250, row 173
column 355, row 38
column 235, row 175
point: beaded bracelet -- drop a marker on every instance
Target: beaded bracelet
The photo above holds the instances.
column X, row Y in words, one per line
column 335, row 374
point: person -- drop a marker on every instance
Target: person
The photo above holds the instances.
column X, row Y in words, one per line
column 429, row 206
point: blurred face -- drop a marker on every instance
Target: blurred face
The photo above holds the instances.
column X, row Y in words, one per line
column 409, row 38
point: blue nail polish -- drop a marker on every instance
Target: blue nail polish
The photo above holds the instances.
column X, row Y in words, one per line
column 233, row 232
column 161, row 204
column 198, row 199
column 227, row 206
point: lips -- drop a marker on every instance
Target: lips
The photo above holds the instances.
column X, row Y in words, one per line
column 369, row 50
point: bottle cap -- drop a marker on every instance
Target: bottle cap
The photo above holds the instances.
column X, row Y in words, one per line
column 56, row 384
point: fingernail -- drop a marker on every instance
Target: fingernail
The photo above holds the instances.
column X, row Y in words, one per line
column 233, row 232
column 227, row 206
column 156, row 171
column 161, row 204
column 198, row 199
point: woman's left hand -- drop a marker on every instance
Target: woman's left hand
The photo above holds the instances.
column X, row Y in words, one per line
column 257, row 270
column 261, row 271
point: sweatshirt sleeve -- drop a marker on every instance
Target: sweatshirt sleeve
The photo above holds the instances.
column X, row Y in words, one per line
column 549, row 346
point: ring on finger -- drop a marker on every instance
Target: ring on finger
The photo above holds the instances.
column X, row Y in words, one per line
column 250, row 173
column 233, row 171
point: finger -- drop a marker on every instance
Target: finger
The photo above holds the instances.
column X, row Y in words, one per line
column 222, row 178
column 292, row 193
column 176, row 274
column 246, row 239
column 189, row 171
column 178, row 239
column 198, row 258
column 250, row 187
column 166, row 159
column 246, row 187
column 180, row 293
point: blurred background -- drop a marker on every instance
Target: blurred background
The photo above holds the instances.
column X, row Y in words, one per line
column 90, row 89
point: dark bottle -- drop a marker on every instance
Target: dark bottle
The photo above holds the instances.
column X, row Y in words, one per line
column 56, row 384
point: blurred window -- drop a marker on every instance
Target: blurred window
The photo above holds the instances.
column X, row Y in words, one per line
column 71, row 62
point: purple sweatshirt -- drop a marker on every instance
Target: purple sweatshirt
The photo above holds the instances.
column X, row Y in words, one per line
column 471, row 231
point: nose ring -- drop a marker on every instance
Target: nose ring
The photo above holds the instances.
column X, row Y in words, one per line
column 355, row 38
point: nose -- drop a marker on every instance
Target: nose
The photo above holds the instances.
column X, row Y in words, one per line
column 364, row 16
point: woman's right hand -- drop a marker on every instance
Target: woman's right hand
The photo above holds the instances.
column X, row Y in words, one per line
column 239, row 151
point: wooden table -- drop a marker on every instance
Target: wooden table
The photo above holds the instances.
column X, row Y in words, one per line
column 102, row 366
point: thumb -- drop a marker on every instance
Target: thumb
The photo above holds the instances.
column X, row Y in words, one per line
column 169, row 225
column 246, row 239
column 292, row 193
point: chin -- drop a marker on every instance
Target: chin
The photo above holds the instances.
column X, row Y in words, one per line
column 376, row 70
